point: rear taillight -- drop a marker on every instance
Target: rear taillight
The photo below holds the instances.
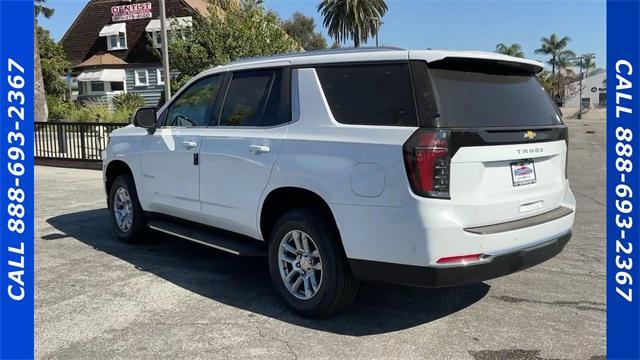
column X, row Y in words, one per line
column 427, row 159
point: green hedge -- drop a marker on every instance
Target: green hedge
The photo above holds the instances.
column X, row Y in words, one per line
column 86, row 112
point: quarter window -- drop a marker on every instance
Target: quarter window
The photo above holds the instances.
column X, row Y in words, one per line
column 375, row 94
column 194, row 107
column 257, row 98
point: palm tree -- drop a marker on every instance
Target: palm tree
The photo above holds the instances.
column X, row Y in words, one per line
column 352, row 19
column 588, row 62
column 40, row 100
column 556, row 47
column 566, row 60
column 511, row 50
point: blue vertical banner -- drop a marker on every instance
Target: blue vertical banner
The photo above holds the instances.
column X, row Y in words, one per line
column 16, row 178
column 623, row 179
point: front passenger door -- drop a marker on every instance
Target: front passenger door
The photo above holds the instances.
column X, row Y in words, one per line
column 170, row 171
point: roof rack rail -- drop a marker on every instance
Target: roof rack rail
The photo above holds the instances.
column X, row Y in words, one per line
column 317, row 52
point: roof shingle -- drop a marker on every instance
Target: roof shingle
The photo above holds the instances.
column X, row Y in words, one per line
column 82, row 41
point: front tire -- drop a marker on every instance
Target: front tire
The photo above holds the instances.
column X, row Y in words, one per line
column 127, row 217
column 308, row 266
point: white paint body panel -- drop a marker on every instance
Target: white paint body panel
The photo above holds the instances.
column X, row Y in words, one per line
column 358, row 170
column 233, row 176
column 170, row 181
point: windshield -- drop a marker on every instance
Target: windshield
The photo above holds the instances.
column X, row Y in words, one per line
column 493, row 99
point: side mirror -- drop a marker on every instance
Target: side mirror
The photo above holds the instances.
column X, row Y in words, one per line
column 145, row 117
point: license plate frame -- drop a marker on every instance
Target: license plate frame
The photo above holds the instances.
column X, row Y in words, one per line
column 523, row 172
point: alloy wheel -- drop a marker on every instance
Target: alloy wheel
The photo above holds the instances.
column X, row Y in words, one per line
column 300, row 264
column 123, row 209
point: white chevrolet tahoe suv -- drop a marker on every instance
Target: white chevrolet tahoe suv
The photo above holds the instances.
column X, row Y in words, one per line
column 426, row 168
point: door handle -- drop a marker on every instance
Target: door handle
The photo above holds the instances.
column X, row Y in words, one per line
column 259, row 149
column 190, row 144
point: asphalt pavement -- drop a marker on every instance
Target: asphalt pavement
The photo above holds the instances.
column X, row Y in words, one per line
column 97, row 298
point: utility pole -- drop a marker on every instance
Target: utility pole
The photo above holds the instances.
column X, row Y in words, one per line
column 165, row 52
column 581, row 65
column 580, row 110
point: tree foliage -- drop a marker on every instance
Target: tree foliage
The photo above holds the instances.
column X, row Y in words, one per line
column 246, row 31
column 560, row 59
column 588, row 62
column 303, row 30
column 128, row 101
column 40, row 102
column 546, row 80
column 511, row 50
column 39, row 8
column 53, row 63
column 556, row 47
column 352, row 19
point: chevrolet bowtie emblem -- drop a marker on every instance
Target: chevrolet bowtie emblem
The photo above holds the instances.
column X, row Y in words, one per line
column 530, row 135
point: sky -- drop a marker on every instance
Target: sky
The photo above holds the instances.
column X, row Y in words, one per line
column 451, row 25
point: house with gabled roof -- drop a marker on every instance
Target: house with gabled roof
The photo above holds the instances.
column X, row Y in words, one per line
column 112, row 46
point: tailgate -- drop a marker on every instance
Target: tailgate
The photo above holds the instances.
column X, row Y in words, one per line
column 498, row 183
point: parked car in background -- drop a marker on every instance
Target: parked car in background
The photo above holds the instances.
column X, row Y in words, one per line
column 423, row 167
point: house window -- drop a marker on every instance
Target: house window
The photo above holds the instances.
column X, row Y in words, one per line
column 160, row 76
column 97, row 86
column 156, row 38
column 176, row 29
column 117, row 42
column 117, row 86
column 602, row 99
column 141, row 78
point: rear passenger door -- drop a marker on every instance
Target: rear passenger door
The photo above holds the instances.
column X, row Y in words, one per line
column 236, row 157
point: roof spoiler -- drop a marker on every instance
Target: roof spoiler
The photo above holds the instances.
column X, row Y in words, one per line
column 489, row 65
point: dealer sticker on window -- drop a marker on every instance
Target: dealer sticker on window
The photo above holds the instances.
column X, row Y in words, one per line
column 523, row 172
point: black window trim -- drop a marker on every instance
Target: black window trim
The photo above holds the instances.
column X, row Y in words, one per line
column 163, row 116
column 437, row 122
column 286, row 79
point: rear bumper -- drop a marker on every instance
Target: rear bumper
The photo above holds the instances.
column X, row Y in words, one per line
column 433, row 276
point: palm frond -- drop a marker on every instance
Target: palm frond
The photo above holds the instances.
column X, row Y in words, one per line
column 352, row 19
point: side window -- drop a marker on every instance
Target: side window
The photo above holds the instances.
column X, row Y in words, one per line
column 257, row 98
column 193, row 107
column 373, row 94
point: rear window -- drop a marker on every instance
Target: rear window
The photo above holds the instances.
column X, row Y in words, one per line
column 376, row 94
column 492, row 99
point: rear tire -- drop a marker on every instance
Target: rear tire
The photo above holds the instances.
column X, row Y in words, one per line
column 127, row 217
column 308, row 266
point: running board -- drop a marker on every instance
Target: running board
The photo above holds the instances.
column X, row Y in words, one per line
column 217, row 239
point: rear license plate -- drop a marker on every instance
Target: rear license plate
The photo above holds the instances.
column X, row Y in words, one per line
column 523, row 172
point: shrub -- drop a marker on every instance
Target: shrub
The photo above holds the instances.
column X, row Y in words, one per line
column 58, row 109
column 128, row 101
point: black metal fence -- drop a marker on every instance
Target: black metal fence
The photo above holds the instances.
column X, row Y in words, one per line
column 72, row 140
